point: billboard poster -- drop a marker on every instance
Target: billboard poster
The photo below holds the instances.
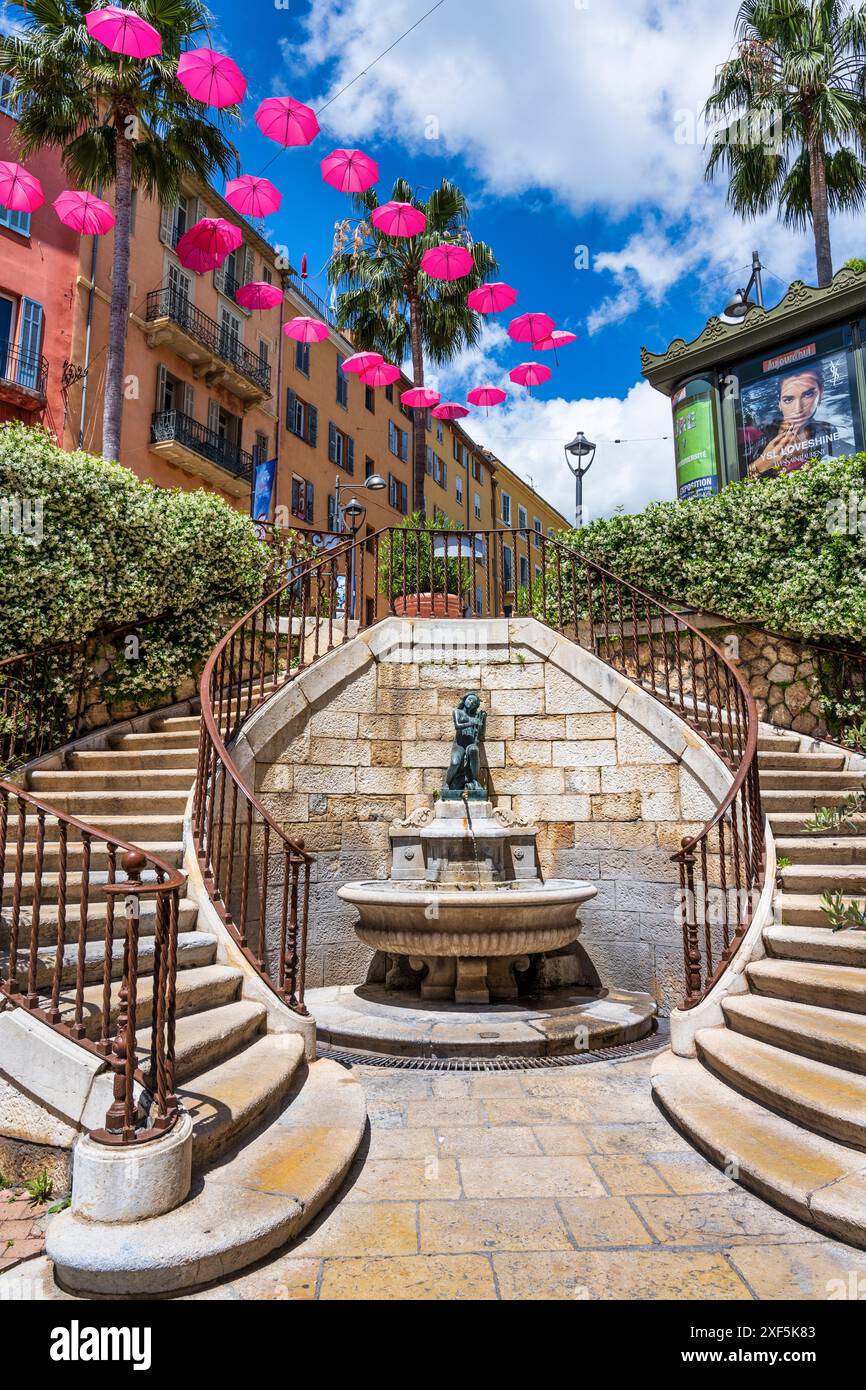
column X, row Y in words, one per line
column 263, row 489
column 795, row 404
column 695, row 445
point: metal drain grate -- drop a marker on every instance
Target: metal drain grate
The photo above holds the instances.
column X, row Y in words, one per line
column 653, row 1042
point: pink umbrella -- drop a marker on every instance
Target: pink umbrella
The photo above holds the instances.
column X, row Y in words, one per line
column 399, row 219
column 447, row 262
column 349, row 171
column 20, row 191
column 420, row 398
column 84, row 212
column 206, row 245
column 305, row 330
column 490, row 299
column 556, row 340
column 287, row 121
column 123, row 31
column 531, row 328
column 487, row 396
column 212, row 78
column 530, row 374
column 253, row 196
column 383, row 375
column 450, row 410
column 362, row 362
column 258, row 295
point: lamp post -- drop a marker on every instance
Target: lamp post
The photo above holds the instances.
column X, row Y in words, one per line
column 375, row 483
column 579, row 449
column 737, row 308
column 353, row 515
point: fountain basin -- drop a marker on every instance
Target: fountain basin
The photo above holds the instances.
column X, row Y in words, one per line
column 469, row 938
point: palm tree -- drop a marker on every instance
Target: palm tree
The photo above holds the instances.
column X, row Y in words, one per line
column 120, row 123
column 792, row 102
column 391, row 306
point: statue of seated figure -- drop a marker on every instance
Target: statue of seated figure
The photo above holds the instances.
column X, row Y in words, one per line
column 462, row 775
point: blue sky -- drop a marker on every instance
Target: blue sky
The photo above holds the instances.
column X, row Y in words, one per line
column 569, row 123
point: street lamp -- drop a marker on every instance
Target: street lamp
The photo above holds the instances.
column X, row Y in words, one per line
column 375, row 483
column 353, row 515
column 737, row 307
column 579, row 449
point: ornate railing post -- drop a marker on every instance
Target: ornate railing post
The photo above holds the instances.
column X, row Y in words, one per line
column 119, row 1120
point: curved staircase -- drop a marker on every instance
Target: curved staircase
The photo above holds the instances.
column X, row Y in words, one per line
column 272, row 1134
column 778, row 1094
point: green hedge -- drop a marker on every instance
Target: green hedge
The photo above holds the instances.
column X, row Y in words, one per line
column 790, row 554
column 116, row 551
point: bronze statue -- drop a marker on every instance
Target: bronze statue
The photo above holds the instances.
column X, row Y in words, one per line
column 462, row 776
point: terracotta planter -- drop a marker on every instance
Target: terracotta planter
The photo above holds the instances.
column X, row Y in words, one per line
column 429, row 606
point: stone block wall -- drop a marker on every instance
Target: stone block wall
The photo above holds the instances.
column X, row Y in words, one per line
column 613, row 781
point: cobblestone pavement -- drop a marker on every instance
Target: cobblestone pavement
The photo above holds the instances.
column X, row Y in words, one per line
column 20, row 1237
column 564, row 1184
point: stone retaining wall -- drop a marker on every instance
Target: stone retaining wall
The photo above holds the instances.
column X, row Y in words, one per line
column 612, row 780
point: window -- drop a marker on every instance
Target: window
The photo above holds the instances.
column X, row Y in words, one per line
column 262, row 446
column 398, row 442
column 477, row 506
column 302, row 419
column 428, row 420
column 459, row 488
column 537, row 525
column 302, row 358
column 231, row 332
column 179, row 285
column 29, row 343
column 429, row 460
column 341, row 448
column 506, row 509
column 370, row 399
column 524, row 572
column 266, row 274
column 440, row 432
column 302, row 499
column 264, row 353
column 476, row 471
column 389, row 394
column 455, row 445
column 465, row 457
column 173, row 394
column 226, row 427
column 342, row 384
column 9, row 105
column 507, row 569
column 369, row 467
column 522, row 519
column 176, row 218
column 398, row 495
column 16, row 221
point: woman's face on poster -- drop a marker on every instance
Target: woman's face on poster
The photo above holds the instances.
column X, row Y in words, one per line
column 799, row 397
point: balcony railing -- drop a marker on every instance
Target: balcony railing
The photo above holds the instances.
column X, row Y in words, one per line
column 173, row 425
column 28, row 370
column 322, row 308
column 169, row 303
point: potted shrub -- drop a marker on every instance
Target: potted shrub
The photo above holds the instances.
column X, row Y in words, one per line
column 415, row 575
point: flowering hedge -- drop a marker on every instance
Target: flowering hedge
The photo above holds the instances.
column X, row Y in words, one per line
column 105, row 550
column 790, row 554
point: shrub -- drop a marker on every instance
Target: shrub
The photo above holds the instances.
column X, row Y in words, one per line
column 789, row 554
column 421, row 556
column 116, row 551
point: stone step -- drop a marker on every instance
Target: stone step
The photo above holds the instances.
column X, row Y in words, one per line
column 204, row 1039
column 229, row 1099
column 96, row 919
column 116, row 759
column 174, row 739
column 781, row 743
column 847, row 879
column 805, row 909
column 48, row 784
column 203, row 987
column 806, row 982
column 825, row 1035
column 193, row 948
column 240, row 1212
column 819, row 1182
column 825, row 1099
column 170, row 851
column 791, row 779
column 791, row 823
column 179, row 724
column 784, row 760
column 801, row 799
column 816, row 944
column 94, row 805
column 822, row 849
column 135, row 829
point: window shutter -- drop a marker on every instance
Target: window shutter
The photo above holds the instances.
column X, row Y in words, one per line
column 429, row 459
column 189, row 400
column 167, row 217
column 249, row 265
column 160, row 388
column 404, row 449
column 309, row 504
column 29, row 342
column 350, row 454
column 291, row 402
column 314, row 426
column 332, row 441
column 213, row 416
column 444, row 474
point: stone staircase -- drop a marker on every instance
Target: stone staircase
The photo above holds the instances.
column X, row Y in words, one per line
column 281, row 1130
column 778, row 1094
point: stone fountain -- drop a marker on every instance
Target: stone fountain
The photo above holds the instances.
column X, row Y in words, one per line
column 465, row 903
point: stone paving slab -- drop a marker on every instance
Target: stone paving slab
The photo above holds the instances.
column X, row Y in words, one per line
column 21, row 1237
column 564, row 1185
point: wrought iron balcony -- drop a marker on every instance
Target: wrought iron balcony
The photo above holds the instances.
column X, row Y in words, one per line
column 209, row 339
column 181, row 433
column 23, row 375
